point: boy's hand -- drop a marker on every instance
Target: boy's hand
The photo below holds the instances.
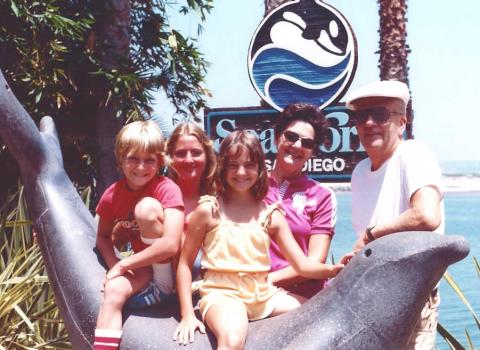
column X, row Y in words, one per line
column 116, row 270
column 186, row 329
column 121, row 235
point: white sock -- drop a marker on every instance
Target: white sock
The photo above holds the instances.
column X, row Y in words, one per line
column 107, row 339
column 162, row 273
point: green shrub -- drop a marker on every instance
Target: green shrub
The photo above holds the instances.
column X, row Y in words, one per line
column 29, row 317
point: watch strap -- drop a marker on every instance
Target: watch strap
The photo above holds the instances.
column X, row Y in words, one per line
column 368, row 231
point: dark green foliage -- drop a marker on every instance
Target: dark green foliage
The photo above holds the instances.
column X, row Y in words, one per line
column 62, row 59
column 42, row 53
column 49, row 54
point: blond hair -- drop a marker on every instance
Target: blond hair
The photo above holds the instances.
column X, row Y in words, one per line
column 144, row 136
column 207, row 182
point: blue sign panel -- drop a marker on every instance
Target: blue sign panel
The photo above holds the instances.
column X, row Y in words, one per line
column 303, row 51
column 332, row 162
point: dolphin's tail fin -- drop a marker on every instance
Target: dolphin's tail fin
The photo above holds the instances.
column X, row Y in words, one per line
column 19, row 132
column 50, row 136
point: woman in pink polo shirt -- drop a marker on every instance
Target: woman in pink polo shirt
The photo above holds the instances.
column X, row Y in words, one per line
column 309, row 206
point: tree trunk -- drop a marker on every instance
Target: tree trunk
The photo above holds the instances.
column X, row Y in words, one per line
column 112, row 34
column 394, row 49
column 272, row 4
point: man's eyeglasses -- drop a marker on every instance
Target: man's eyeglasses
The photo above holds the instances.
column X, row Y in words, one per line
column 380, row 115
column 292, row 137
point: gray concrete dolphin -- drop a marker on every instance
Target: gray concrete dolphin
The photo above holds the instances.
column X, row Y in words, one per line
column 372, row 304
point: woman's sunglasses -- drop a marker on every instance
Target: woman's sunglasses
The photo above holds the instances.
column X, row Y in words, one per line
column 292, row 137
column 380, row 115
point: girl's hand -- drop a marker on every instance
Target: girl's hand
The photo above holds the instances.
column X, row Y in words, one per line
column 186, row 329
column 336, row 269
column 347, row 257
column 343, row 261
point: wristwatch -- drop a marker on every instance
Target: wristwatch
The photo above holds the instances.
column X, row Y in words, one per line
column 368, row 231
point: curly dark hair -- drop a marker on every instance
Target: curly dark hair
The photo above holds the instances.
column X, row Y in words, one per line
column 306, row 113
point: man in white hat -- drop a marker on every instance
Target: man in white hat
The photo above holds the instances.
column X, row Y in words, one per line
column 398, row 187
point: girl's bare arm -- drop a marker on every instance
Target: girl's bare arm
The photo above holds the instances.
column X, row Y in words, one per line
column 199, row 224
column 305, row 266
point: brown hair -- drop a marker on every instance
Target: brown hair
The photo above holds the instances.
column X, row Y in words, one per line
column 207, row 182
column 143, row 136
column 303, row 112
column 231, row 147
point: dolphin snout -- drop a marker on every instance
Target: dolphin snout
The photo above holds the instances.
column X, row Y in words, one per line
column 456, row 248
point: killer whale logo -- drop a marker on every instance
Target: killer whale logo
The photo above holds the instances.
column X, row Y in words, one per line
column 303, row 51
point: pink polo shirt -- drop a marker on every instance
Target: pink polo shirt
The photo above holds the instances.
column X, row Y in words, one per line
column 310, row 208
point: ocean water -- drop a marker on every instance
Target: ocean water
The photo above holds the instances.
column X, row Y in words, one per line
column 462, row 217
column 461, row 168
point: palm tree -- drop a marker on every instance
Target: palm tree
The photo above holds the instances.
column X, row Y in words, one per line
column 272, row 4
column 394, row 49
column 112, row 33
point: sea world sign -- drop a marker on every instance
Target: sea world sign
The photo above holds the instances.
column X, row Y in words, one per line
column 303, row 51
column 332, row 162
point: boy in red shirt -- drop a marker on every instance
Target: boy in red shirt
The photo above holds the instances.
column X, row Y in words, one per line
column 148, row 209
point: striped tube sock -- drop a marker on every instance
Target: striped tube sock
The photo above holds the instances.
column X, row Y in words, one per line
column 107, row 339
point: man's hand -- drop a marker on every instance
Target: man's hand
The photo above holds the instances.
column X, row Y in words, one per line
column 361, row 242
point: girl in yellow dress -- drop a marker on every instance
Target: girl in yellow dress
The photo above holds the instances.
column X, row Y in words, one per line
column 234, row 232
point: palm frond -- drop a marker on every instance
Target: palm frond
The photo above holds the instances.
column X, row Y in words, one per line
column 462, row 297
column 469, row 340
column 29, row 317
column 477, row 266
column 449, row 338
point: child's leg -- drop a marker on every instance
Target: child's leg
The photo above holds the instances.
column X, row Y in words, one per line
column 228, row 321
column 149, row 216
column 115, row 294
column 285, row 302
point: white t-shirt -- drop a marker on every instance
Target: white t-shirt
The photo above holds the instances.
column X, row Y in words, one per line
column 382, row 195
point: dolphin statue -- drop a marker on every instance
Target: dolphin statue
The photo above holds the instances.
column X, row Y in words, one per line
column 372, row 304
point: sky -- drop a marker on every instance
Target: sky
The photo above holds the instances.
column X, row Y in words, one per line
column 444, row 64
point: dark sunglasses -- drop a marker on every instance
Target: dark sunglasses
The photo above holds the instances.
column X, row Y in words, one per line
column 380, row 115
column 292, row 137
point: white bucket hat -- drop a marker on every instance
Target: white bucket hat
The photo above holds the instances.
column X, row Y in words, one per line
column 384, row 88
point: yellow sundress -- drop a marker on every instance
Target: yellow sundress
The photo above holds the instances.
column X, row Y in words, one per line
column 236, row 259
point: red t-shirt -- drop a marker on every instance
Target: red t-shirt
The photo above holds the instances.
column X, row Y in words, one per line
column 118, row 203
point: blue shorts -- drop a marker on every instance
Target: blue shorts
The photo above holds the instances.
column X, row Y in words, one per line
column 149, row 295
